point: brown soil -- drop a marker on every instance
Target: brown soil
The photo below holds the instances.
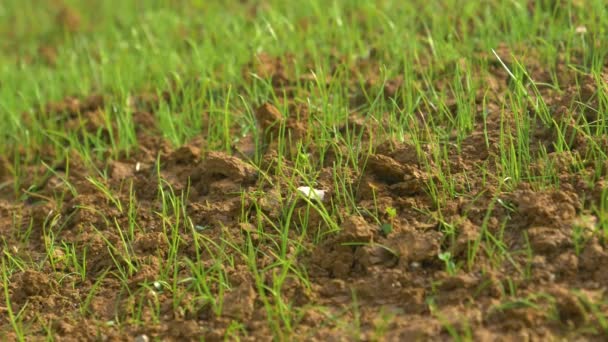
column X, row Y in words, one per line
column 541, row 291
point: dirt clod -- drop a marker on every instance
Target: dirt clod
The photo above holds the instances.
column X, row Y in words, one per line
column 547, row 240
column 416, row 247
column 239, row 303
column 356, row 229
column 31, row 283
column 220, row 164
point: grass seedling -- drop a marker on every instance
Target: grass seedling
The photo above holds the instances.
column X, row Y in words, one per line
column 450, row 266
column 84, row 307
column 79, row 265
column 14, row 321
column 107, row 192
column 387, row 228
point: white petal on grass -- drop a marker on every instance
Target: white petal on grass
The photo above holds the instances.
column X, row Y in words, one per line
column 312, row 193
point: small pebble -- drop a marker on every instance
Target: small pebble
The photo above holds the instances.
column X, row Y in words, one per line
column 142, row 338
